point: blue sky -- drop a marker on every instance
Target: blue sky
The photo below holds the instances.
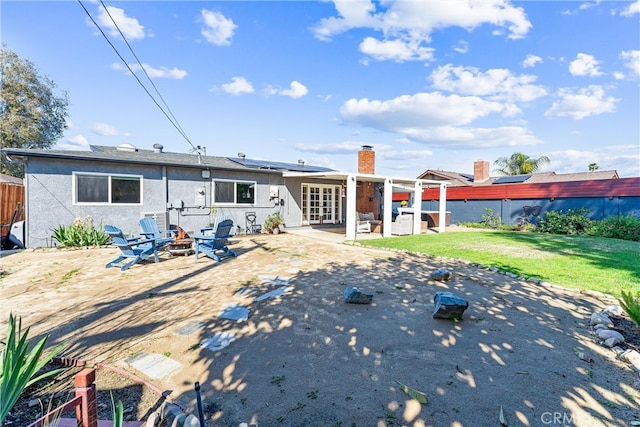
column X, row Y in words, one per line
column 429, row 84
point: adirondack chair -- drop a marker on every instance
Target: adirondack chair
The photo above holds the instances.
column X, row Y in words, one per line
column 210, row 241
column 133, row 250
column 150, row 230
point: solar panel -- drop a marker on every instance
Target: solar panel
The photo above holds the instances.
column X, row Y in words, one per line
column 267, row 164
column 512, row 179
column 465, row 175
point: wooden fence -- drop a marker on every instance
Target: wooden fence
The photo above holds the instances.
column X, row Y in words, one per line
column 11, row 198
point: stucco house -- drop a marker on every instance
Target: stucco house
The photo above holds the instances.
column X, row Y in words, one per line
column 119, row 185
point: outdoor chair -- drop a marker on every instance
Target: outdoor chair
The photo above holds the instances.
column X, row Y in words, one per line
column 150, row 230
column 210, row 241
column 132, row 250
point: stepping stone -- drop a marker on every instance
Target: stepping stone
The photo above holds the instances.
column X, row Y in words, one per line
column 189, row 328
column 235, row 312
column 449, row 306
column 274, row 280
column 218, row 341
column 276, row 293
column 246, row 291
column 154, row 366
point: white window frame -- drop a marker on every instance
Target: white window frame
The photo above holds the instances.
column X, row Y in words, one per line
column 74, row 188
column 235, row 192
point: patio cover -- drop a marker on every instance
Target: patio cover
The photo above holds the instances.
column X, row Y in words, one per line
column 404, row 185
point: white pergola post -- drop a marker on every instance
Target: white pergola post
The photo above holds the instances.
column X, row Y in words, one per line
column 417, row 207
column 442, row 220
column 351, row 207
column 387, row 215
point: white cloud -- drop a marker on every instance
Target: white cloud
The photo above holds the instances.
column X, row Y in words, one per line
column 396, row 50
column 238, row 86
column 632, row 9
column 585, row 102
column 129, row 26
column 496, row 83
column 585, row 65
column 622, row 158
column 461, row 46
column 104, row 129
column 76, row 143
column 157, row 73
column 631, row 60
column 217, row 28
column 437, row 119
column 296, row 90
column 531, row 61
column 407, row 25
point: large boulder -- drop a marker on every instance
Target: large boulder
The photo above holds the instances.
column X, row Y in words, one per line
column 449, row 306
column 354, row 296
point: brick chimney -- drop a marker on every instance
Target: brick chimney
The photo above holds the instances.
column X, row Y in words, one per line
column 366, row 200
column 481, row 170
column 367, row 160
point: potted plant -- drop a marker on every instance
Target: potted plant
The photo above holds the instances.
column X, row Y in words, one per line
column 273, row 223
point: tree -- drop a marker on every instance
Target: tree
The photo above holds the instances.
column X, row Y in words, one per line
column 593, row 167
column 519, row 164
column 31, row 115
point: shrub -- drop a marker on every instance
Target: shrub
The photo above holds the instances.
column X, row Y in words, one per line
column 631, row 305
column 617, row 227
column 574, row 221
column 81, row 232
column 20, row 364
column 492, row 220
column 274, row 220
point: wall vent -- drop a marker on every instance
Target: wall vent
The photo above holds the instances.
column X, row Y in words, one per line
column 162, row 218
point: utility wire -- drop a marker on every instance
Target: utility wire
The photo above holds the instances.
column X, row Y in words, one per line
column 175, row 125
column 175, row 120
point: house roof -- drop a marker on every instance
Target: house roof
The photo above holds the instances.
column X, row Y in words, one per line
column 129, row 154
column 466, row 180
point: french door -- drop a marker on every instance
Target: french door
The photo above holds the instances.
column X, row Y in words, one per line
column 321, row 204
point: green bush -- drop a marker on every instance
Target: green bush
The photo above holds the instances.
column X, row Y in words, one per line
column 274, row 220
column 631, row 305
column 617, row 227
column 574, row 221
column 492, row 220
column 20, row 364
column 81, row 232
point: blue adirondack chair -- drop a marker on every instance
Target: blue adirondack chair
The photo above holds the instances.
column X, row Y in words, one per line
column 210, row 241
column 133, row 250
column 150, row 230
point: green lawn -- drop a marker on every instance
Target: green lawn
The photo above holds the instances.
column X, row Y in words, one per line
column 593, row 263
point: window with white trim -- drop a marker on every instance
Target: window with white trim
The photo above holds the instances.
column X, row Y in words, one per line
column 234, row 192
column 106, row 189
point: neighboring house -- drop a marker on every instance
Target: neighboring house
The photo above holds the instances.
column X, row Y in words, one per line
column 119, row 185
column 523, row 198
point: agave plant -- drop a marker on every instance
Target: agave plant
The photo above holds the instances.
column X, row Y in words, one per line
column 20, row 364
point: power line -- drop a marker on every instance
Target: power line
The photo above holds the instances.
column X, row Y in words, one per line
column 171, row 119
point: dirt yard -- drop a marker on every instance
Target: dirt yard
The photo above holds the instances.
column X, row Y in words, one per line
column 306, row 358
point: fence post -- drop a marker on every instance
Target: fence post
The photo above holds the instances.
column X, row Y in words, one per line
column 87, row 412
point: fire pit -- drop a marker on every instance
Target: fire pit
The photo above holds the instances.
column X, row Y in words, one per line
column 180, row 247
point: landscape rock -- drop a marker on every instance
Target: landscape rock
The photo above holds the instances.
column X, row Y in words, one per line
column 441, row 275
column 597, row 318
column 354, row 296
column 191, row 421
column 632, row 357
column 449, row 306
column 616, row 310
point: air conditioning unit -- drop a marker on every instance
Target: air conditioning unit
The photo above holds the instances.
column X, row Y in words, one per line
column 162, row 218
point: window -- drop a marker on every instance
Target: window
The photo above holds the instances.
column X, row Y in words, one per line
column 234, row 192
column 107, row 189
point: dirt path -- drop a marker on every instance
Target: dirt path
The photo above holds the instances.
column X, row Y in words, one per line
column 308, row 359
